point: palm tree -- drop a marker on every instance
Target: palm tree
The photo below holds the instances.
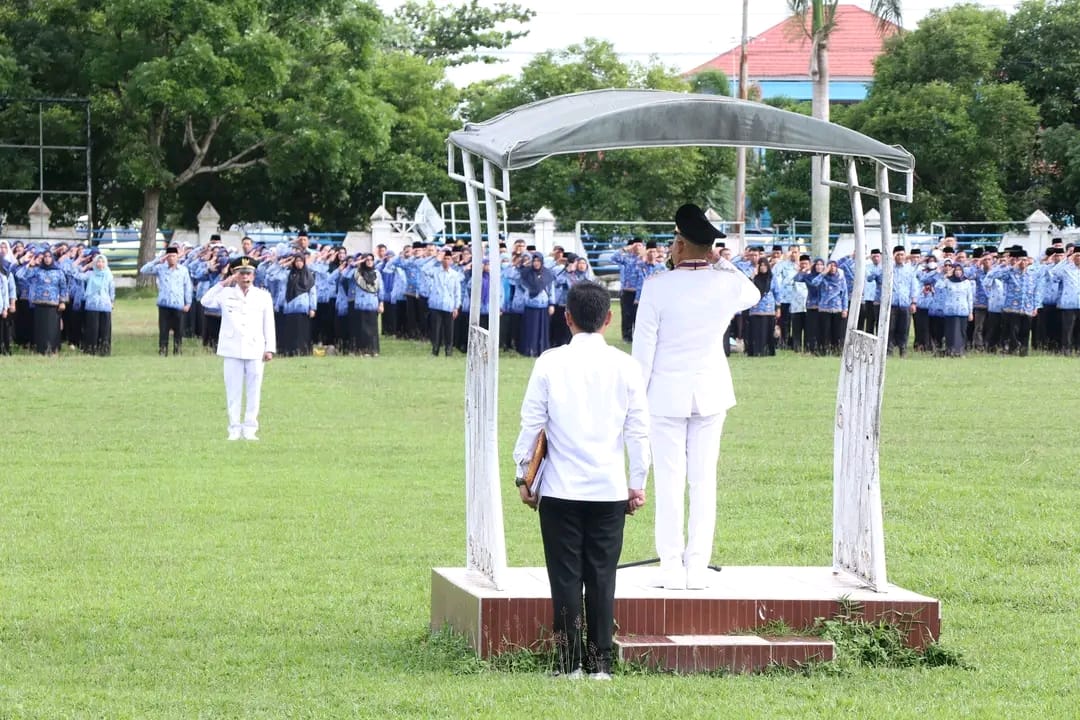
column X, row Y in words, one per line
column 822, row 22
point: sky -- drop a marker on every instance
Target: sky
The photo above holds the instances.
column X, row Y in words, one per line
column 680, row 33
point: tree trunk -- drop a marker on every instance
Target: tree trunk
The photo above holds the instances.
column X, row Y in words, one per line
column 148, row 235
column 819, row 194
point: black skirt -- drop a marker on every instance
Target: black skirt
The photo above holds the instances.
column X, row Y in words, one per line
column 296, row 334
column 46, row 329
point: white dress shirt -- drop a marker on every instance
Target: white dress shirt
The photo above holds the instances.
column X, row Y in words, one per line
column 247, row 321
column 590, row 399
column 679, row 337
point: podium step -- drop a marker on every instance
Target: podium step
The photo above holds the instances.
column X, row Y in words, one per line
column 733, row 653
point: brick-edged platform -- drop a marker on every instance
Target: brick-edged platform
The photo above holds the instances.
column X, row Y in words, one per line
column 734, row 653
column 738, row 601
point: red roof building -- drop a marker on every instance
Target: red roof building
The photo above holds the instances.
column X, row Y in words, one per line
column 778, row 60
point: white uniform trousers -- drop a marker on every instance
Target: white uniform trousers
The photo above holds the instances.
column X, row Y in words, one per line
column 685, row 451
column 241, row 375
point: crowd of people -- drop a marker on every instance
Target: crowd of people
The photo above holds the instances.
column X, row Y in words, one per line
column 958, row 300
column 55, row 294
column 327, row 300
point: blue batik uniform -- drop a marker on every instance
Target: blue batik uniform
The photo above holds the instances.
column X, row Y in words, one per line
column 847, row 266
column 933, row 298
column 174, row 286
column 428, row 266
column 516, row 303
column 995, row 293
column 744, row 265
column 7, row 288
column 342, row 290
column 872, row 289
column 411, row 266
column 798, row 297
column 563, row 285
column 1049, row 287
column 630, row 272
column 46, row 287
column 906, row 287
column 1068, row 277
column 324, row 286
column 444, row 290
column 485, row 304
column 813, row 290
column 1019, row 289
column 976, row 275
column 953, row 299
column 302, row 304
column 784, row 274
column 833, row 295
column 768, row 303
column 275, row 284
column 98, row 296
column 362, row 299
column 466, row 296
column 74, row 282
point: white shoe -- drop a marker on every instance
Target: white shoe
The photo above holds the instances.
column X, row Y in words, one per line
column 234, row 434
column 250, row 435
column 673, row 579
column 600, row 676
column 698, row 579
column 575, row 675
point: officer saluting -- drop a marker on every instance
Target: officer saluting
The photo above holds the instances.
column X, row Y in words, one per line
column 679, row 343
column 246, row 341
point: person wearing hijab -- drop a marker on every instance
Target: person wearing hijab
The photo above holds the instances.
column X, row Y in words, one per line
column 99, row 298
column 298, row 309
column 763, row 316
column 813, row 297
column 322, row 265
column 832, row 308
column 8, row 297
column 537, row 283
column 367, row 306
column 47, row 292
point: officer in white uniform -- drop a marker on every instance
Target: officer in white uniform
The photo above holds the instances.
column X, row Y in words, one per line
column 679, row 343
column 247, row 341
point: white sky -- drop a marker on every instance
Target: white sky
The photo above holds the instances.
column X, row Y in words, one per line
column 681, row 33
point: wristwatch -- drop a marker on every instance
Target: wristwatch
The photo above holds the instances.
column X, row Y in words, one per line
column 519, row 482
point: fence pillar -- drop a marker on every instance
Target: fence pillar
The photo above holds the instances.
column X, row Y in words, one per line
column 382, row 229
column 39, row 219
column 1039, row 227
column 544, row 230
column 208, row 222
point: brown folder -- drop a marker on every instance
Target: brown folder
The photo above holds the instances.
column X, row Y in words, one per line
column 536, row 461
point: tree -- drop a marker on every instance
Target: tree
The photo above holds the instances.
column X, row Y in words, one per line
column 822, row 21
column 631, row 185
column 456, row 35
column 1040, row 52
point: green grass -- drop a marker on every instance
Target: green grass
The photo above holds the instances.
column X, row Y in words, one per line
column 149, row 568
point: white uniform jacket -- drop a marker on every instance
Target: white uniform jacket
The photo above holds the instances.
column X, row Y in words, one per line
column 679, row 337
column 247, row 321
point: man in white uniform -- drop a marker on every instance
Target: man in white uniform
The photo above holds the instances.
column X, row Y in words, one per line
column 679, row 343
column 246, row 341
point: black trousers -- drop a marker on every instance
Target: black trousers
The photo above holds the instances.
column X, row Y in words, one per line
column 295, row 338
column 24, row 323
column 97, row 333
column 510, row 331
column 922, row 330
column 1017, row 332
column 560, row 331
column 170, row 320
column 412, row 316
column 211, row 330
column 813, row 331
column 1070, row 331
column 1047, row 327
column 833, row 325
column 46, row 329
column 994, row 331
column 629, row 313
column 978, row 329
column 582, row 544
column 869, row 321
column 798, row 331
column 785, row 325
column 461, row 331
column 899, row 328
column 759, row 338
column 442, row 332
column 401, row 314
column 389, row 318
column 937, row 331
column 325, row 312
column 7, row 334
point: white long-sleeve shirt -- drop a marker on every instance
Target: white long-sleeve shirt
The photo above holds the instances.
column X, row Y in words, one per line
column 590, row 399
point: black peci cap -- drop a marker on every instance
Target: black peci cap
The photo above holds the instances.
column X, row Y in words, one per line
column 695, row 227
column 650, row 244
column 875, row 251
column 805, row 257
column 242, row 264
column 899, row 248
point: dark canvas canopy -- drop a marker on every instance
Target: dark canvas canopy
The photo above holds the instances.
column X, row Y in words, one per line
column 614, row 119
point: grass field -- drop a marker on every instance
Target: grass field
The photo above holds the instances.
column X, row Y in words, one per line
column 151, row 569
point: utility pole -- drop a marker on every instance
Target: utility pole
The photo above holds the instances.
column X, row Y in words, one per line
column 740, row 152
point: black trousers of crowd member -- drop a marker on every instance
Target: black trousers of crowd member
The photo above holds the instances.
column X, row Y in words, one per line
column 342, row 330
column 24, row 323
column 759, row 339
column 729, row 333
column 785, row 325
column 955, row 334
column 1017, row 332
column 629, row 313
column 7, row 333
column 899, row 328
column 1047, row 327
column 1070, row 331
column 71, row 326
column 461, row 331
column 869, row 319
column 797, row 336
column 401, row 311
column 937, row 332
column 325, row 312
column 211, row 330
column 412, row 317
column 560, row 331
column 832, row 328
column 97, row 333
column 195, row 321
column 389, row 318
column 813, row 331
column 46, row 329
column 582, row 544
column 978, row 329
column 442, row 332
column 510, row 331
column 922, row 330
column 994, row 331
column 423, row 317
column 170, row 320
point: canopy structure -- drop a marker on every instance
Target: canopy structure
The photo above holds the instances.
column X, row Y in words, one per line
column 617, row 119
column 624, row 119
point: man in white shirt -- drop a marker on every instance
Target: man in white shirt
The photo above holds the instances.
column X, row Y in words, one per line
column 246, row 341
column 589, row 398
column 679, row 344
